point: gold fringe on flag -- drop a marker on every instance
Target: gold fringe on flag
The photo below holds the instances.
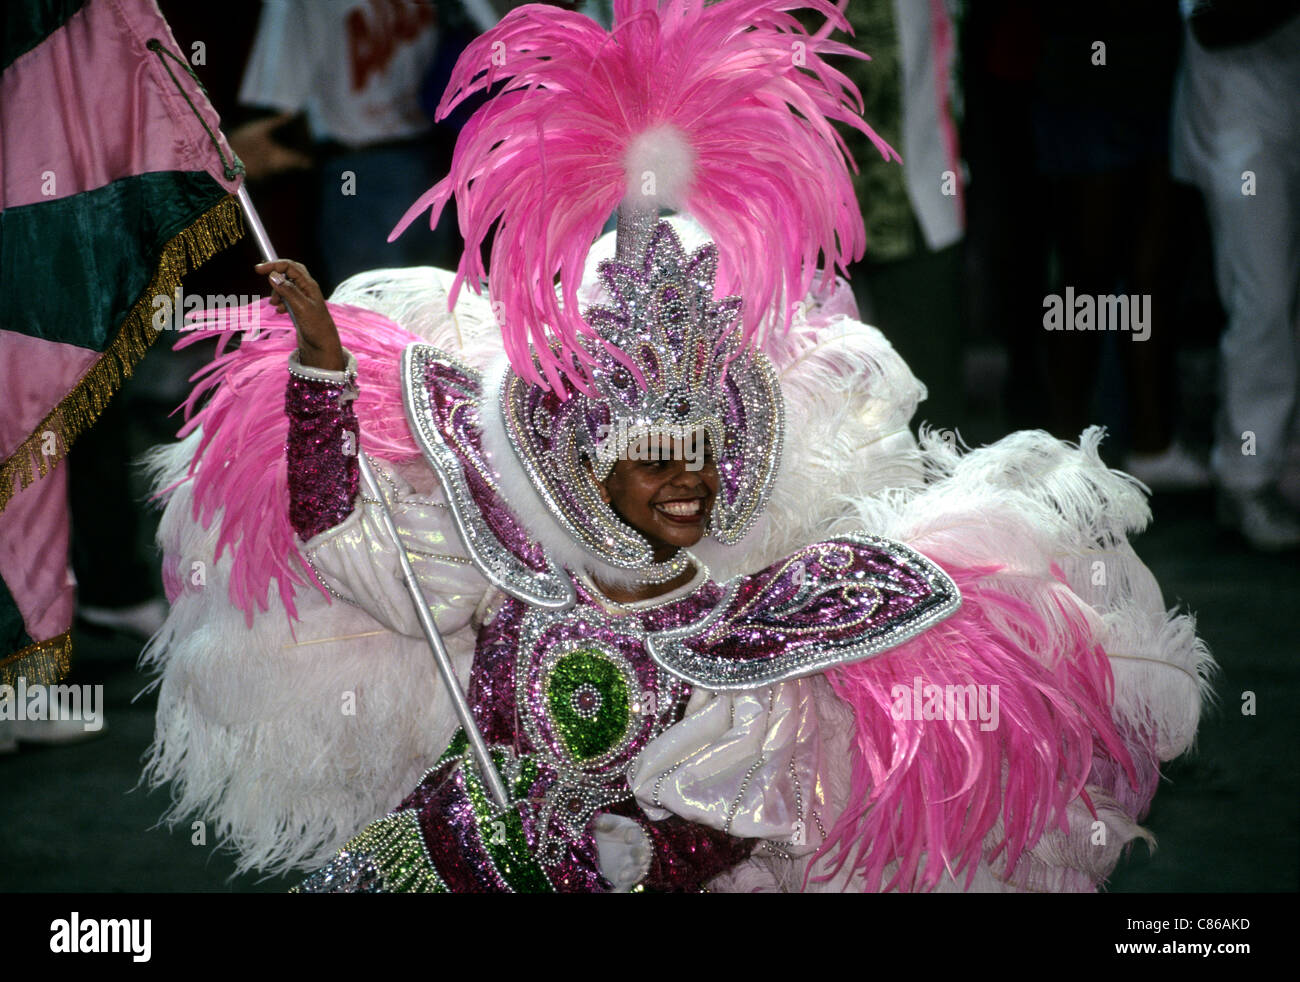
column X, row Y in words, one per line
column 42, row 663
column 218, row 227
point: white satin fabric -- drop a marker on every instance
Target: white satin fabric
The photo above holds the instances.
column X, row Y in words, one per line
column 742, row 762
column 623, row 851
column 357, row 559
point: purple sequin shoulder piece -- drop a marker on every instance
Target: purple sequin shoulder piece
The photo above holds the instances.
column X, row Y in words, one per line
column 830, row 603
column 442, row 403
column 321, row 453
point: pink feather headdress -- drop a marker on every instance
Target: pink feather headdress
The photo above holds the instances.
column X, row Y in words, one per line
column 723, row 111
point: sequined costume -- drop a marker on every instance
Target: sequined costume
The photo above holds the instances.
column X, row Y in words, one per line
column 897, row 665
column 569, row 688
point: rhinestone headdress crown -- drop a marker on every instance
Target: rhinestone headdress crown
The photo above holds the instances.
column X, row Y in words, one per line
column 666, row 361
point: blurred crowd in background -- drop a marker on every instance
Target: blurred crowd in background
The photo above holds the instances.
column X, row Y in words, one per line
column 1052, row 152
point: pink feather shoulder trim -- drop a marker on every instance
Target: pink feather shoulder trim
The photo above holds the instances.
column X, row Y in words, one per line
column 239, row 473
column 927, row 791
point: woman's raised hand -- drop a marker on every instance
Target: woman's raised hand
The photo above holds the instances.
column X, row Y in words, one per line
column 318, row 337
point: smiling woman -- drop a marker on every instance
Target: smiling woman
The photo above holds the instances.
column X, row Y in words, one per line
column 665, row 499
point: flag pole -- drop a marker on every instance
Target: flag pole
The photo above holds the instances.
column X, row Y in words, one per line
column 441, row 658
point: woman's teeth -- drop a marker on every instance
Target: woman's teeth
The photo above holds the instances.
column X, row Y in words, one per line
column 680, row 509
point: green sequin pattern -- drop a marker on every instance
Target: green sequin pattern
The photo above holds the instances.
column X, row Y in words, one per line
column 502, row 835
column 588, row 701
column 396, row 847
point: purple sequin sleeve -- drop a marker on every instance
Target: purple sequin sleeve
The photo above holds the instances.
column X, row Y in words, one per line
column 686, row 855
column 322, row 453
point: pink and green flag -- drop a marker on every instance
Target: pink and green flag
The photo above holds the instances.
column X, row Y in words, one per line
column 116, row 181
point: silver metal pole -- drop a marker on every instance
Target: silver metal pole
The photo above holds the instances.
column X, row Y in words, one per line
column 441, row 658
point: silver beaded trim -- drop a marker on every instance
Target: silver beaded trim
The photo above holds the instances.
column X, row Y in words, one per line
column 320, row 578
column 744, row 790
column 673, row 651
column 348, row 872
column 664, row 776
column 346, row 377
column 616, row 609
column 551, row 589
column 394, row 843
column 583, row 787
column 589, row 691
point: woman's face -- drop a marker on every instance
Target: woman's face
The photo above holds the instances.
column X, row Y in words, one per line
column 664, row 500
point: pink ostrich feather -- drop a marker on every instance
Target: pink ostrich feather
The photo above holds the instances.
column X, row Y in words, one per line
column 239, row 472
column 927, row 793
column 741, row 82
